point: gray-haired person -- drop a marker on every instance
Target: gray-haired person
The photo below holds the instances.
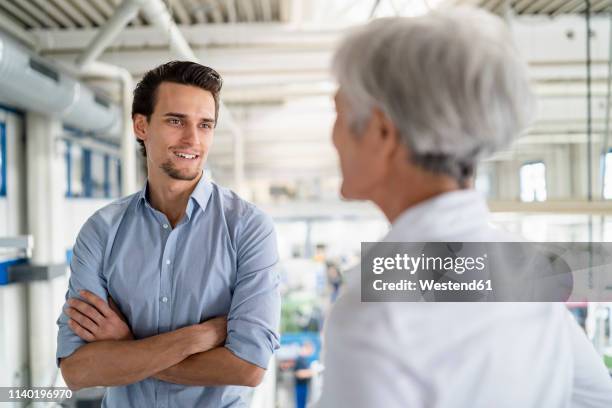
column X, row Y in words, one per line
column 420, row 101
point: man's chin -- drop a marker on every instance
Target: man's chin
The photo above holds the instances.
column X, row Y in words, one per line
column 181, row 174
column 184, row 176
column 346, row 193
column 353, row 191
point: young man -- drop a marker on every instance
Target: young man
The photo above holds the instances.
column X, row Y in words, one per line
column 173, row 297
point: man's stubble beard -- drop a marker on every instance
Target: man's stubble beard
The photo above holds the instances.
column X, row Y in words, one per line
column 174, row 173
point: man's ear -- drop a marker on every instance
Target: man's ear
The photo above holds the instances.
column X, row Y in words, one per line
column 386, row 132
column 141, row 125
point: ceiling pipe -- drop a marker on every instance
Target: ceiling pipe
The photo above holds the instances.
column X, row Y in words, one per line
column 115, row 24
column 156, row 12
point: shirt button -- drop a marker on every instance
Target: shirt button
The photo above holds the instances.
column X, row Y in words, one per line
column 164, row 299
column 168, row 262
column 165, row 226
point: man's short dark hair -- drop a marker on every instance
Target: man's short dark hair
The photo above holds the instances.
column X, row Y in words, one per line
column 179, row 72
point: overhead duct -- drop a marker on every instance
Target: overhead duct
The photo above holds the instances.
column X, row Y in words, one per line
column 32, row 83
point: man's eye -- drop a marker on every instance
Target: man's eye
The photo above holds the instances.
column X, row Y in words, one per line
column 174, row 121
column 206, row 125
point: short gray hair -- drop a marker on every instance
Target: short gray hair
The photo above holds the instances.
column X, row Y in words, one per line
column 451, row 81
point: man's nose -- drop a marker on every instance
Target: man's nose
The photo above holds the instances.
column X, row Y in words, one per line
column 191, row 135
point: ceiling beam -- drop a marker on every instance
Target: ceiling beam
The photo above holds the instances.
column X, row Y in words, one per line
column 56, row 14
column 520, row 5
column 490, row 4
column 240, row 34
column 104, row 7
column 75, row 14
column 91, row 12
column 195, row 9
column 553, row 6
column 535, row 7
column 601, row 5
column 232, row 11
column 226, row 60
column 37, row 13
column 24, row 17
column 503, row 7
column 215, row 11
column 248, row 10
column 571, row 6
column 266, row 10
column 178, row 10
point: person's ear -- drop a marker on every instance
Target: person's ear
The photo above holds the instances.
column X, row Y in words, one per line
column 141, row 125
column 385, row 132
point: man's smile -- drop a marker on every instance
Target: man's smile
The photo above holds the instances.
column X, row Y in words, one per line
column 186, row 155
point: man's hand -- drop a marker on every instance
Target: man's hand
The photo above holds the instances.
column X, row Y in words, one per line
column 95, row 320
column 214, row 332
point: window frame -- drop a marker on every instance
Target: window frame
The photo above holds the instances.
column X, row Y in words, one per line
column 87, row 182
column 3, row 164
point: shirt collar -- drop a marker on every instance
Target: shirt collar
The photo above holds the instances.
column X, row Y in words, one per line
column 142, row 195
column 444, row 215
column 200, row 195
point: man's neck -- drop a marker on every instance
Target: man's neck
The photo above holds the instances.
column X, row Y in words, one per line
column 170, row 196
column 399, row 193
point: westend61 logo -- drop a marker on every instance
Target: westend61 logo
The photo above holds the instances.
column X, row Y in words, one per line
column 485, row 272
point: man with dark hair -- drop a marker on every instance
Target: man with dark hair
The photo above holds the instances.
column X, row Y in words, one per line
column 179, row 72
column 173, row 297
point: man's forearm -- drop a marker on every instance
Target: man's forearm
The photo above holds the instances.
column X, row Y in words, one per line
column 112, row 363
column 218, row 366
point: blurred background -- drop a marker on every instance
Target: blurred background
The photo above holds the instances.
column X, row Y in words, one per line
column 67, row 70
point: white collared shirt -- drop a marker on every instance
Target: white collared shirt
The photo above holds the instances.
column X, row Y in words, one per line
column 472, row 355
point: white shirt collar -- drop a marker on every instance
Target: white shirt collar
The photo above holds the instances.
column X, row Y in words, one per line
column 456, row 213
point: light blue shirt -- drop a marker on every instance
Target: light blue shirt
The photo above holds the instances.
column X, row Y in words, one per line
column 219, row 260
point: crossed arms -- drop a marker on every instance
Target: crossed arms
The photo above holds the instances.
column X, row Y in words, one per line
column 96, row 346
column 191, row 355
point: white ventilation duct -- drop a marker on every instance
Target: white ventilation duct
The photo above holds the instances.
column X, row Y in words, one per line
column 32, row 83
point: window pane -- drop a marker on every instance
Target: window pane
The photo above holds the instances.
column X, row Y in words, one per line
column 76, row 170
column 113, row 177
column 533, row 182
column 608, row 177
column 97, row 175
column 2, row 159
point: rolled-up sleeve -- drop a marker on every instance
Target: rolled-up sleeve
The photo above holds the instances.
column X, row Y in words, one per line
column 85, row 273
column 253, row 320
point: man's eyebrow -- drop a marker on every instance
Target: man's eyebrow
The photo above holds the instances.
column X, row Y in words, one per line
column 183, row 116
column 176, row 115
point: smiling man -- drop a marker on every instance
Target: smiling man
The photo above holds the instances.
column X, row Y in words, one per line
column 173, row 297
